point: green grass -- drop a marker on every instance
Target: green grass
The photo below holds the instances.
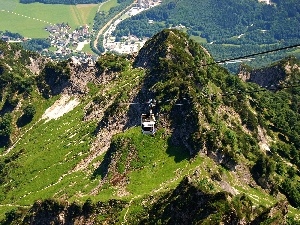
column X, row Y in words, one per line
column 293, row 212
column 108, row 5
column 8, row 4
column 52, row 48
column 160, row 166
column 87, row 49
column 25, row 26
column 54, row 148
column 124, row 17
column 199, row 39
column 75, row 16
column 296, row 51
column 85, row 13
column 50, row 150
column 258, row 197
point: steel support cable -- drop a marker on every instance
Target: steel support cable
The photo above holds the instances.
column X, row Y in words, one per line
column 246, row 57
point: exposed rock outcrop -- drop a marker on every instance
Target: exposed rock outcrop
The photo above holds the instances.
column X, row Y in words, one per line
column 264, row 77
column 272, row 77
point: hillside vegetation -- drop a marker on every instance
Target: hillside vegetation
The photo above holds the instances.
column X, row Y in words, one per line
column 225, row 151
column 277, row 20
column 239, row 28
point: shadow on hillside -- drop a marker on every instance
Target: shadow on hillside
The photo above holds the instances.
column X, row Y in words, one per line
column 138, row 106
column 184, row 125
column 4, row 141
column 8, row 107
column 102, row 169
column 108, row 160
column 23, row 120
column 178, row 152
column 186, row 203
column 178, row 146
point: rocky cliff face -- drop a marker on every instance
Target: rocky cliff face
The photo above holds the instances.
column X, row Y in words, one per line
column 264, row 77
column 270, row 77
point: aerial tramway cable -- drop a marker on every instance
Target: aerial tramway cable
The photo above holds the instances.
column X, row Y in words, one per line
column 250, row 56
column 243, row 58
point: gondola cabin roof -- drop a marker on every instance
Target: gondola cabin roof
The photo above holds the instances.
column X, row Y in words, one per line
column 148, row 123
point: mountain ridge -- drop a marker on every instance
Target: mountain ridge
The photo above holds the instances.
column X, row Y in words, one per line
column 225, row 140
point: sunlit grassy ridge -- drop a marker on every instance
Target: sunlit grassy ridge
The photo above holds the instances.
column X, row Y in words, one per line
column 43, row 159
column 85, row 158
column 47, row 152
column 154, row 161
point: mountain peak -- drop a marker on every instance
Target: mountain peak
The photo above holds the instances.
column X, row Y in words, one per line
column 221, row 144
column 173, row 46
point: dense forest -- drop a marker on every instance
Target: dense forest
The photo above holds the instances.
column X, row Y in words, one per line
column 36, row 44
column 232, row 32
column 264, row 25
column 67, row 2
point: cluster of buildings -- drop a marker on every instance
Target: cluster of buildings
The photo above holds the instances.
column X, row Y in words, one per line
column 69, row 43
column 147, row 4
column 66, row 41
column 130, row 43
column 268, row 2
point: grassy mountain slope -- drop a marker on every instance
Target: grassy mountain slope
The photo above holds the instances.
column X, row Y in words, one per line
column 226, row 154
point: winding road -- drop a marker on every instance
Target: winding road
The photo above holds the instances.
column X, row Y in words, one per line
column 101, row 31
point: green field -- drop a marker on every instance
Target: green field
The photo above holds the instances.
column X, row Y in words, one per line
column 108, row 5
column 25, row 18
column 87, row 49
column 199, row 39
